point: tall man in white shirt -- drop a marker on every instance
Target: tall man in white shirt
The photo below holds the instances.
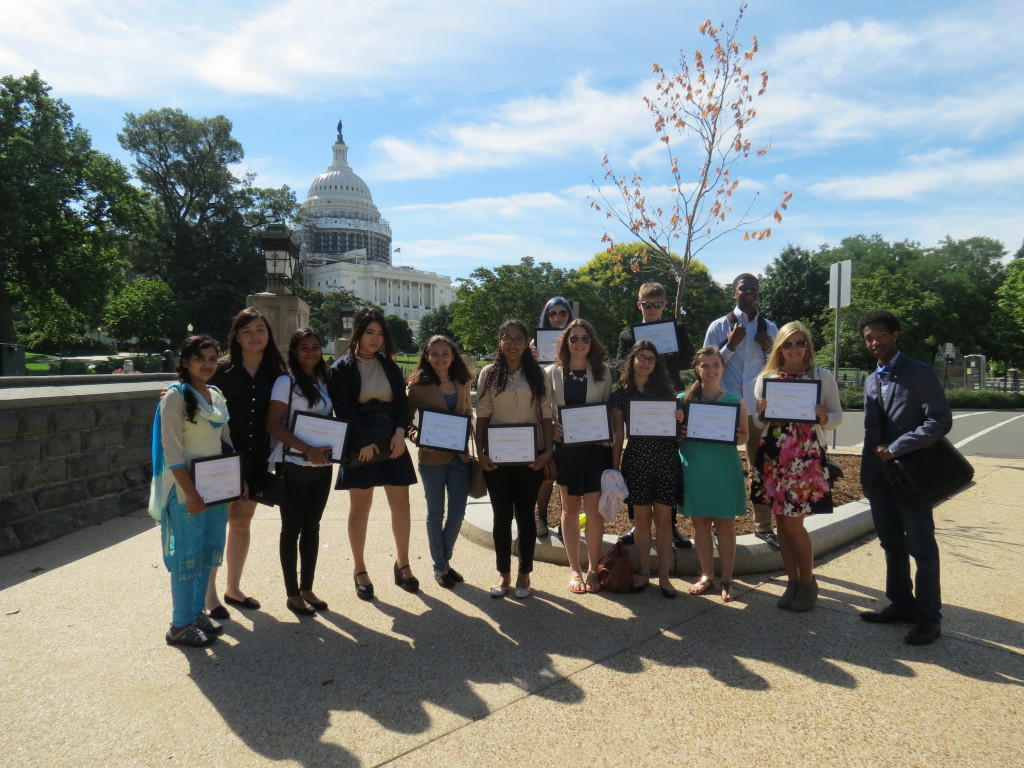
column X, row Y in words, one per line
column 745, row 337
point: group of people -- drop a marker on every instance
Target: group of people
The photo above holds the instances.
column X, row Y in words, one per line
column 243, row 402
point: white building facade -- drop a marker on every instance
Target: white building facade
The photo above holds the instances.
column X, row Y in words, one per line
column 346, row 244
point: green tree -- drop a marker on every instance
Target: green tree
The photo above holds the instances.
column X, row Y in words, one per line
column 146, row 310
column 489, row 297
column 208, row 221
column 795, row 287
column 711, row 103
column 436, row 321
column 1010, row 303
column 401, row 332
column 64, row 212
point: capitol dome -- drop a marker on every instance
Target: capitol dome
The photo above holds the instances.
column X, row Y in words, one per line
column 341, row 222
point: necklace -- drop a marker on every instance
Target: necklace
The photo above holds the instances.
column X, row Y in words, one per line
column 712, row 398
column 512, row 374
column 365, row 357
column 574, row 376
column 446, row 378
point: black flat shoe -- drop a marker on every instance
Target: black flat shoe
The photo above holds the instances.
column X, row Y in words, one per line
column 924, row 633
column 455, row 575
column 363, row 591
column 300, row 611
column 408, row 583
column 889, row 615
column 669, row 593
column 220, row 613
column 318, row 605
column 444, row 579
column 249, row 602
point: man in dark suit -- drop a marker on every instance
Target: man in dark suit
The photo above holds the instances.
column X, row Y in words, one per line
column 905, row 410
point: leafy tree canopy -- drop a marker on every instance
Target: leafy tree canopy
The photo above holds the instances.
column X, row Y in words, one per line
column 401, row 332
column 146, row 310
column 436, row 321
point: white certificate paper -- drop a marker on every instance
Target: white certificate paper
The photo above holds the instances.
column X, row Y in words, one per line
column 443, row 431
column 316, row 430
column 661, row 334
column 712, row 422
column 585, row 424
column 791, row 399
column 218, row 478
column 652, row 418
column 512, row 444
column 547, row 345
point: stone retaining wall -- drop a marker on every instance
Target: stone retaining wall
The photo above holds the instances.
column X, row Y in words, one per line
column 72, row 456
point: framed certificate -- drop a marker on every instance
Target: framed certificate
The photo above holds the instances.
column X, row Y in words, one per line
column 712, row 422
column 316, row 430
column 218, row 478
column 586, row 423
column 512, row 443
column 791, row 399
column 443, row 431
column 547, row 345
column 661, row 334
column 652, row 419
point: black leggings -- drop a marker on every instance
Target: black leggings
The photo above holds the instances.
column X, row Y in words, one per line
column 306, row 492
column 513, row 492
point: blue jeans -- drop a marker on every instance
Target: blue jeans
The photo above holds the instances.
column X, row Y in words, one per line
column 441, row 532
column 905, row 532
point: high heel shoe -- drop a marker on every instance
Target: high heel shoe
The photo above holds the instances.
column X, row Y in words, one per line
column 408, row 583
column 363, row 591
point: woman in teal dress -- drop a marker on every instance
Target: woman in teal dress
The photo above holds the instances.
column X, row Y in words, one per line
column 713, row 478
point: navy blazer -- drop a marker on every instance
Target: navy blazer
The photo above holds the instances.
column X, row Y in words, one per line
column 914, row 415
column 344, row 385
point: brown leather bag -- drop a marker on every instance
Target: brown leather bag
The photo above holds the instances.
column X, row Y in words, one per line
column 614, row 571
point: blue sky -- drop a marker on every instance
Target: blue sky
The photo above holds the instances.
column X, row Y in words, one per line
column 479, row 126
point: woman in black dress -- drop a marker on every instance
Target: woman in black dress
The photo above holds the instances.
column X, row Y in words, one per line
column 368, row 391
column 246, row 376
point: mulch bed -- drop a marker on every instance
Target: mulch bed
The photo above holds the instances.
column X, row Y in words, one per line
column 844, row 491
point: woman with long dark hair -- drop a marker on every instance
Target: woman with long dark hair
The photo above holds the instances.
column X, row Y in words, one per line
column 191, row 423
column 307, row 477
column 246, row 376
column 790, row 473
column 580, row 376
column 512, row 390
column 650, row 467
column 441, row 383
column 368, row 391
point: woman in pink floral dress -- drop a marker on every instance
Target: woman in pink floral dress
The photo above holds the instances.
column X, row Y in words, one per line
column 790, row 473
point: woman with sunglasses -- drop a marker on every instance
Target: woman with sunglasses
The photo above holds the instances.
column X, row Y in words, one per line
column 580, row 376
column 512, row 390
column 650, row 466
column 555, row 316
column 790, row 473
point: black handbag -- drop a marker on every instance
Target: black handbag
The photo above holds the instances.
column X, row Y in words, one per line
column 378, row 427
column 929, row 475
column 271, row 490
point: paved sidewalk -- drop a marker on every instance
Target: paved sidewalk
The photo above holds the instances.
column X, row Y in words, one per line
column 456, row 678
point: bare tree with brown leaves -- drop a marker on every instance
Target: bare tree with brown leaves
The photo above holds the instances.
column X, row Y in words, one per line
column 713, row 102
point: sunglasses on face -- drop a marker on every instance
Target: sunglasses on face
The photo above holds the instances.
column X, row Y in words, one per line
column 579, row 339
column 558, row 313
column 651, row 304
column 517, row 340
column 801, row 344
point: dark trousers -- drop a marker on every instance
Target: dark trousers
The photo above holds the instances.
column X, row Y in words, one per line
column 906, row 532
column 306, row 492
column 513, row 492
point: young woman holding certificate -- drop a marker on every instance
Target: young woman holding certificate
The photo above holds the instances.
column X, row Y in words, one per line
column 715, row 493
column 790, row 472
column 368, row 391
column 580, row 377
column 191, row 423
column 441, row 383
column 649, row 465
column 307, row 468
column 512, row 391
column 245, row 375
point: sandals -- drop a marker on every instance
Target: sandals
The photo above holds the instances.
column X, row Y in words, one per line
column 727, row 595
column 593, row 583
column 577, row 585
column 704, row 585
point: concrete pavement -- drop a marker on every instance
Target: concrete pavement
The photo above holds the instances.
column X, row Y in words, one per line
column 459, row 679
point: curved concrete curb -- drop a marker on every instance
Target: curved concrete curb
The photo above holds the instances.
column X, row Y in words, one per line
column 828, row 533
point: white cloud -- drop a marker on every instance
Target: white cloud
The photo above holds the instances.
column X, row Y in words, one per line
column 517, row 131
